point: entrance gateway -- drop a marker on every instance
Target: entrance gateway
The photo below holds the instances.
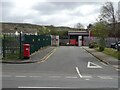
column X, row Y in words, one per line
column 76, row 38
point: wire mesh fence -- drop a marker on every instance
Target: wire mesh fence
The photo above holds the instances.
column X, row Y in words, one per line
column 12, row 45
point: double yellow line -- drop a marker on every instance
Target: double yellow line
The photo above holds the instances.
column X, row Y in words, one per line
column 47, row 56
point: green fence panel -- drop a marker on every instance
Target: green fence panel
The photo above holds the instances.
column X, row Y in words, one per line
column 37, row 41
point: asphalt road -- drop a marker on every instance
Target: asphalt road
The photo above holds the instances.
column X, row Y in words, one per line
column 67, row 67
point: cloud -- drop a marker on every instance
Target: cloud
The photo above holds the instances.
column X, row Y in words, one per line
column 50, row 13
column 67, row 13
column 54, row 7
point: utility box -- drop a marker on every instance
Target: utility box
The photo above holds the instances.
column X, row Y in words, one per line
column 26, row 51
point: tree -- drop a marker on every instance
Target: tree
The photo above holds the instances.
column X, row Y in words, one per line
column 62, row 33
column 89, row 27
column 118, row 12
column 43, row 30
column 79, row 26
column 99, row 30
column 109, row 15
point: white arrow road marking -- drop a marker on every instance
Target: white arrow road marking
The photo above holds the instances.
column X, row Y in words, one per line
column 80, row 75
column 93, row 65
column 78, row 72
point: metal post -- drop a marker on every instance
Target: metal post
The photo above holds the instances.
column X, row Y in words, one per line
column 3, row 45
column 20, row 47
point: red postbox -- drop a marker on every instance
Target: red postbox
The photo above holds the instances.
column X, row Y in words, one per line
column 26, row 50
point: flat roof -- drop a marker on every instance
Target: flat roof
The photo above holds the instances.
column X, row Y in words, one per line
column 78, row 33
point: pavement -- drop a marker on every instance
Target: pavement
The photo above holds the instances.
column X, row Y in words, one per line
column 104, row 58
column 66, row 67
column 35, row 57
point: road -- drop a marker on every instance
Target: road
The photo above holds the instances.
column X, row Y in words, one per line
column 67, row 67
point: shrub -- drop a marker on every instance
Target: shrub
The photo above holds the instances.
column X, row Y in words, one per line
column 101, row 48
column 93, row 45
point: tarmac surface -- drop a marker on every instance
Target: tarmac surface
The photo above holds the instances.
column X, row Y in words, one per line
column 65, row 67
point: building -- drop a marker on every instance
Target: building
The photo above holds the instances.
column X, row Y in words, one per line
column 76, row 38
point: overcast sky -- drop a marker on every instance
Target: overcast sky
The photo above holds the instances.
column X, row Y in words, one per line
column 58, row 13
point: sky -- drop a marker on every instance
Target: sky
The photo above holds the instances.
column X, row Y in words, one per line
column 52, row 12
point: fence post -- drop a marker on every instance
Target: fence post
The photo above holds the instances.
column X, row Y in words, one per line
column 3, row 45
column 20, row 47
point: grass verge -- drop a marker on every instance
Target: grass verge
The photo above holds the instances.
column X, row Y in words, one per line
column 111, row 52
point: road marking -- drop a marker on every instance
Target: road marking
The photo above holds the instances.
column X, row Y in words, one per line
column 35, row 76
column 87, row 77
column 116, row 66
column 78, row 72
column 80, row 75
column 41, row 87
column 105, row 77
column 6, row 75
column 93, row 65
column 47, row 56
column 117, row 69
column 71, row 77
column 54, row 76
column 20, row 76
column 50, row 54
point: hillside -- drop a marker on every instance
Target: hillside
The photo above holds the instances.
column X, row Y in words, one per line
column 29, row 28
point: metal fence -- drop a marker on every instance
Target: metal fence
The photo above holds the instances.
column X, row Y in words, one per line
column 1, row 46
column 108, row 40
column 12, row 45
column 36, row 41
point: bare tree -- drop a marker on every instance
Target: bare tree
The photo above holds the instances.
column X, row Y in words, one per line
column 119, row 11
column 109, row 15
